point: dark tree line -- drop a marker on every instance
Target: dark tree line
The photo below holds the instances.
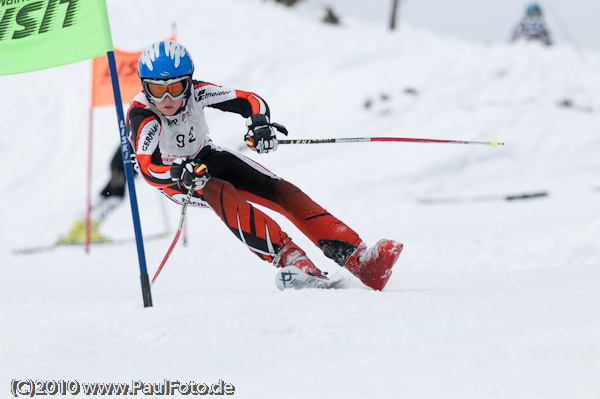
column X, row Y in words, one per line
column 331, row 17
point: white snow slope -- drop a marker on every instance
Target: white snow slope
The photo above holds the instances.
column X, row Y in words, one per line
column 490, row 298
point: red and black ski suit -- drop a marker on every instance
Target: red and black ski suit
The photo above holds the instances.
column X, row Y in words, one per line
column 236, row 181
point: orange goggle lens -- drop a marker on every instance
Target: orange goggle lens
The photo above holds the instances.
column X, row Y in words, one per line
column 158, row 90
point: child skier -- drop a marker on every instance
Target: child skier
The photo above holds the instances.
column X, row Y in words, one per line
column 169, row 134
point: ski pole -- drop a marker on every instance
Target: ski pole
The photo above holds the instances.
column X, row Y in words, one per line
column 493, row 143
column 181, row 220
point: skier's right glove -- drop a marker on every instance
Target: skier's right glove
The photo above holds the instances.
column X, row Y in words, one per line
column 189, row 174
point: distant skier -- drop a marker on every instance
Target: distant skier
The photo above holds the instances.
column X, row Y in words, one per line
column 532, row 26
column 169, row 134
column 108, row 199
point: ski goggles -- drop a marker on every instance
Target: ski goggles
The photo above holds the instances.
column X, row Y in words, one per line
column 157, row 90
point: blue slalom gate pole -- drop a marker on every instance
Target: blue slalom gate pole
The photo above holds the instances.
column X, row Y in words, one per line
column 146, row 293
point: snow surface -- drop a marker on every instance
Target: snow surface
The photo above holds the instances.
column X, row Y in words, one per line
column 490, row 298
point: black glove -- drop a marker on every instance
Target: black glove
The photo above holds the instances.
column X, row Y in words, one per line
column 261, row 133
column 189, row 174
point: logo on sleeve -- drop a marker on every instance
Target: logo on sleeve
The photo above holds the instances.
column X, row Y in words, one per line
column 149, row 137
column 202, row 94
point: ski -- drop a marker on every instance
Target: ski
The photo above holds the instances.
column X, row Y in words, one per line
column 116, row 241
column 293, row 277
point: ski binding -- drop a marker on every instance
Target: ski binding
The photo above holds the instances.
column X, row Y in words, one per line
column 293, row 277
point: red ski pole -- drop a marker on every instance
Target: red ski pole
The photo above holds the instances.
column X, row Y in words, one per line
column 181, row 220
column 493, row 143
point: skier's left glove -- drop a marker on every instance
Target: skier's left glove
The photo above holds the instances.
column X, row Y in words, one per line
column 189, row 174
column 261, row 133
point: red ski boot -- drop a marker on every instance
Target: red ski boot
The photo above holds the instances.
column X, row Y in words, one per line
column 373, row 266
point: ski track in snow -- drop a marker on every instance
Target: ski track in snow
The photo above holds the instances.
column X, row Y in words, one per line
column 489, row 299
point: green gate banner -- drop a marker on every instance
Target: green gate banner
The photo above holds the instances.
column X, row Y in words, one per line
column 38, row 34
